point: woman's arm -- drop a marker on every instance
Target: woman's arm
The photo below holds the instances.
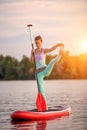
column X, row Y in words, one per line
column 48, row 50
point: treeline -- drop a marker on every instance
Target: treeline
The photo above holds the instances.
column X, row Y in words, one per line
column 69, row 67
column 12, row 69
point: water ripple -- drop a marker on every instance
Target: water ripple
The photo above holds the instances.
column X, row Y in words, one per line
column 20, row 96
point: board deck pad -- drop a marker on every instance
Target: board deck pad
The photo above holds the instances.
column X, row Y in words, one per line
column 55, row 108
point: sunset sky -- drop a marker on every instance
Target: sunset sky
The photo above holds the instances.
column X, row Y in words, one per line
column 55, row 20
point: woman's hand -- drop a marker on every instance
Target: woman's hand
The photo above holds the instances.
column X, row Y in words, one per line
column 61, row 45
column 32, row 51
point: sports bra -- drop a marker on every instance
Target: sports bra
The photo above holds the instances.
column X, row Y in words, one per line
column 40, row 59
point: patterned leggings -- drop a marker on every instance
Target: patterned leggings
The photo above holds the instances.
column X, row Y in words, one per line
column 46, row 72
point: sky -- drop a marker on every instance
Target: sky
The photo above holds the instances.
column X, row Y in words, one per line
column 57, row 21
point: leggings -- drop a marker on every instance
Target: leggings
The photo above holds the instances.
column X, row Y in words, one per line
column 46, row 72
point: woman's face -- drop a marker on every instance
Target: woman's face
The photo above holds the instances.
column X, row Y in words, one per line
column 38, row 44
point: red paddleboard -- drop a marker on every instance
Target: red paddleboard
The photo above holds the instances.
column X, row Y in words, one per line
column 56, row 112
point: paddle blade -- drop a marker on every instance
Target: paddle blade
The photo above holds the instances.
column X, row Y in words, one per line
column 40, row 102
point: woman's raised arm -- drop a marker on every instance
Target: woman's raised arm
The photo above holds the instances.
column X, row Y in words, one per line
column 48, row 50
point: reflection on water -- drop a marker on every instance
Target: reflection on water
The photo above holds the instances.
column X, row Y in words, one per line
column 21, row 95
column 39, row 125
column 42, row 124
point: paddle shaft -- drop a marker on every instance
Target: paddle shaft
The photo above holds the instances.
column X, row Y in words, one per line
column 29, row 26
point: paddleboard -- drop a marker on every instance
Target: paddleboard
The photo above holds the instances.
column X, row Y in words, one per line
column 51, row 113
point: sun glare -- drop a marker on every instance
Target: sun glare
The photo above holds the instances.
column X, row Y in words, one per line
column 84, row 47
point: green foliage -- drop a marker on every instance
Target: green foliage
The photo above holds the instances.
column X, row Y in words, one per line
column 12, row 69
column 69, row 67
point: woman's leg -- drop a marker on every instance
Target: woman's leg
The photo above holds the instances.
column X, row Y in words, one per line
column 40, row 83
column 46, row 72
column 40, row 86
column 40, row 76
column 49, row 67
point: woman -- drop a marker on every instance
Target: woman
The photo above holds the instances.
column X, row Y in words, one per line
column 43, row 70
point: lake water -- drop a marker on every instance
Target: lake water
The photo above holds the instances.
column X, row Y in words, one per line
column 20, row 95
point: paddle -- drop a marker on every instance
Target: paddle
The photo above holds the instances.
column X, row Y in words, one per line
column 40, row 101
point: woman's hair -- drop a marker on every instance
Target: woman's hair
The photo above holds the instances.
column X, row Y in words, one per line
column 38, row 38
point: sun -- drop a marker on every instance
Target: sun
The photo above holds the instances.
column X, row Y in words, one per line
column 84, row 46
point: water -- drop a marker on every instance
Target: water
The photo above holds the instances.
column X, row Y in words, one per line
column 20, row 95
